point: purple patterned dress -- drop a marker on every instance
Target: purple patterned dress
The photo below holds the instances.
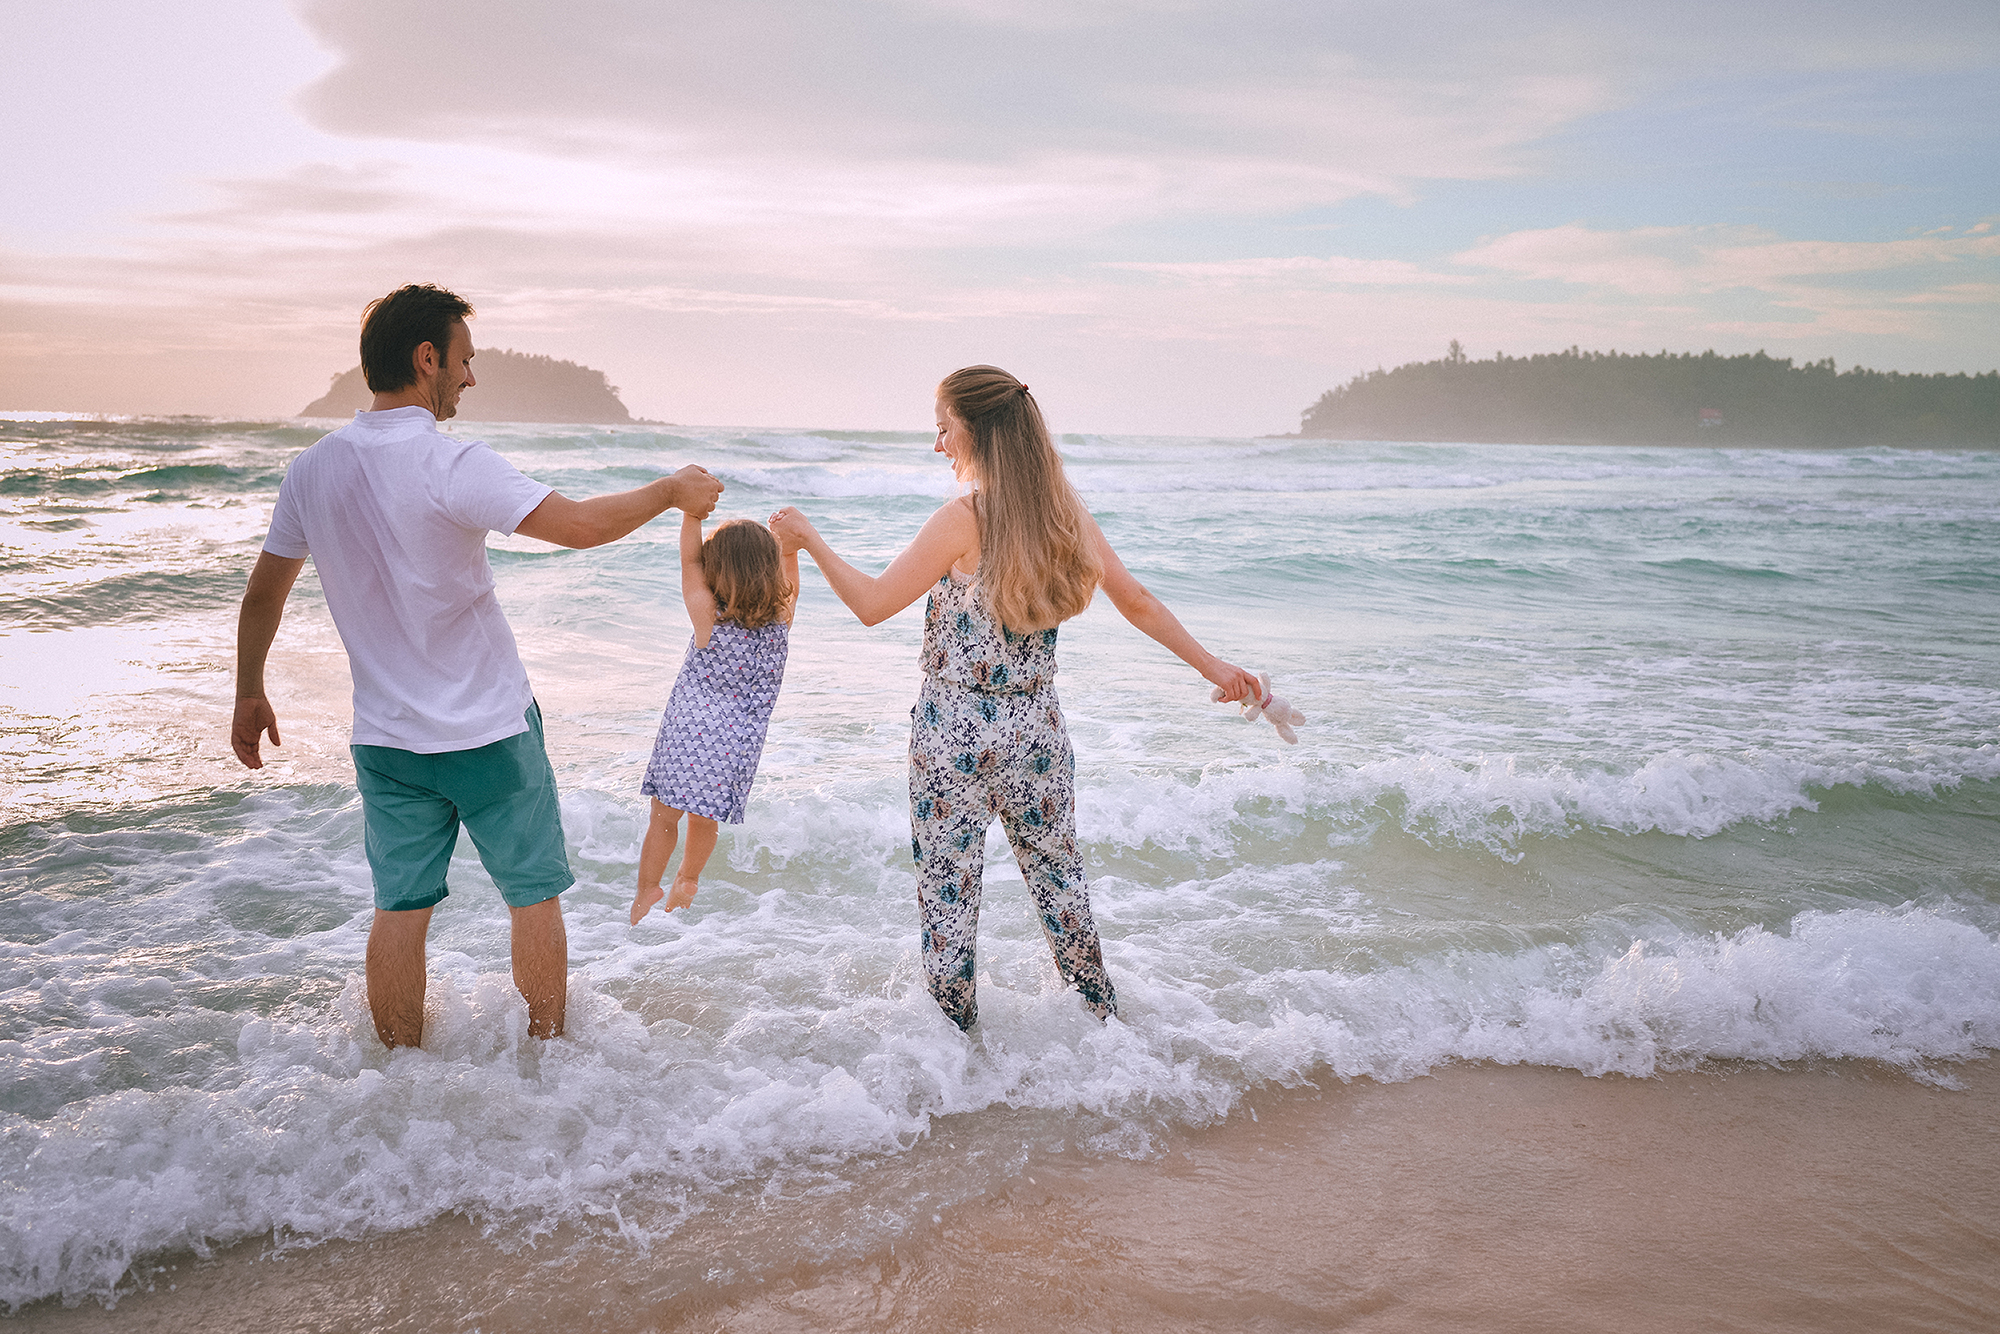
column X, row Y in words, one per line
column 713, row 730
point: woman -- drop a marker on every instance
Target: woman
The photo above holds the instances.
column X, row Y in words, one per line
column 1004, row 566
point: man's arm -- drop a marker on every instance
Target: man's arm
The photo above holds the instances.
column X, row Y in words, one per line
column 256, row 626
column 601, row 519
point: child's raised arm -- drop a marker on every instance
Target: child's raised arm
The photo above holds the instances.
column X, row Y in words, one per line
column 694, row 586
column 788, row 562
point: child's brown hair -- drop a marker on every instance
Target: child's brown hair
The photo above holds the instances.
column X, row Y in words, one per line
column 739, row 562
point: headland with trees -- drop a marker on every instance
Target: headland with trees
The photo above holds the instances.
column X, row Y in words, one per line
column 510, row 387
column 1657, row 398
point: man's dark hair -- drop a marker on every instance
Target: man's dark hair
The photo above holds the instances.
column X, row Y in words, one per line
column 395, row 326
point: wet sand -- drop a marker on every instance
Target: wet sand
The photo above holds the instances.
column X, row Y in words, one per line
column 1845, row 1197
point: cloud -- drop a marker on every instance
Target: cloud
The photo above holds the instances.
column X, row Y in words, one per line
column 788, row 210
column 951, row 123
column 315, row 189
column 1682, row 261
column 1330, row 271
column 1136, row 109
column 1986, row 295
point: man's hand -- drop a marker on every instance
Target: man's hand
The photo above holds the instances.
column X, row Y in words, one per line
column 696, row 490
column 254, row 717
column 264, row 597
column 581, row 524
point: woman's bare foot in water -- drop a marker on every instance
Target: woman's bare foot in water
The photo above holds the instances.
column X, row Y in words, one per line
column 643, row 901
column 683, row 894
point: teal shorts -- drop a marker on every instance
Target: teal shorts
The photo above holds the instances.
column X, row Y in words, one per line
column 504, row 793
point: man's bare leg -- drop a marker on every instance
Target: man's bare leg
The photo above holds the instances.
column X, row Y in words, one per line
column 701, row 842
column 541, row 964
column 396, row 975
column 663, row 829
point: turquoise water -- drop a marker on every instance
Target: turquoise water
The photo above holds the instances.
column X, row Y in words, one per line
column 1617, row 759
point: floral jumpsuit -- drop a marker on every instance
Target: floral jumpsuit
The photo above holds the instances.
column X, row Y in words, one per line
column 986, row 739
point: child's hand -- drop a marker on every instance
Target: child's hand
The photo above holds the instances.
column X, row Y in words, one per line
column 792, row 529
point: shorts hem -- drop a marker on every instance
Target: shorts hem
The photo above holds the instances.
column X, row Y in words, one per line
column 528, row 897
column 415, row 903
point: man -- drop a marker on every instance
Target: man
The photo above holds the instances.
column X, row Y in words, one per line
column 446, row 730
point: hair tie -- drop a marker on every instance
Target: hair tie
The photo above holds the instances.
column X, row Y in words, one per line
column 1023, row 389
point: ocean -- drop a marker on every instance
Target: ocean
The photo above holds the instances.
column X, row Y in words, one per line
column 1618, row 761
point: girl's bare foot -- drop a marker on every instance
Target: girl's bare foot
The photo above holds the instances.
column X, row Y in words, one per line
column 643, row 901
column 683, row 894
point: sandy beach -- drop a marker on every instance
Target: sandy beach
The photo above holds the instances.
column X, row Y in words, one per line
column 1841, row 1197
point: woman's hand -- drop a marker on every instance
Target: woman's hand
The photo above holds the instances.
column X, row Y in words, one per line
column 792, row 529
column 946, row 536
column 1235, row 683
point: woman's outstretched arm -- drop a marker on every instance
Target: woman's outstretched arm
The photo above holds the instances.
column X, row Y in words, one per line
column 1147, row 612
column 947, row 536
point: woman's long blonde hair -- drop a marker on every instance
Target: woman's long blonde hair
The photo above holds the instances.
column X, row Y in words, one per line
column 1037, row 562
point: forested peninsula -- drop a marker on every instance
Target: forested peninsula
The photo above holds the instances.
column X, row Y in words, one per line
column 1663, row 398
column 509, row 387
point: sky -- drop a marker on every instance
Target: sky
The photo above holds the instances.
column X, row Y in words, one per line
column 1168, row 217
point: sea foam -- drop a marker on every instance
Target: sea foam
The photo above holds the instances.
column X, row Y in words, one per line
column 323, row 1134
column 1618, row 761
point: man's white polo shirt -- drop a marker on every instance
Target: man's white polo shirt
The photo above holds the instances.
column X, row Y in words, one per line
column 394, row 514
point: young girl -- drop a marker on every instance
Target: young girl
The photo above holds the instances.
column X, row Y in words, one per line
column 741, row 588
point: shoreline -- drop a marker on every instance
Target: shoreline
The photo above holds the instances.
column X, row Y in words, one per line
column 1586, row 442
column 1829, row 1197
column 57, row 416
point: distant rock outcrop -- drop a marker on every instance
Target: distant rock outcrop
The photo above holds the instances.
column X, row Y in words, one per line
column 510, row 387
column 1664, row 398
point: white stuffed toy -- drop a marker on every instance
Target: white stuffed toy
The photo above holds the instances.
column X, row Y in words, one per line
column 1264, row 704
